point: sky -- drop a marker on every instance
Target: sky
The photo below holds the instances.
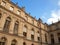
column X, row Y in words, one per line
column 47, row 10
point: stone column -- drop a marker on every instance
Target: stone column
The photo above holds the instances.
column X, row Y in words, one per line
column 56, row 38
column 20, row 29
column 2, row 21
column 12, row 26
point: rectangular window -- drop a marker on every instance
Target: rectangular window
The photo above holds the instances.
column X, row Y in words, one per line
column 16, row 29
column 11, row 8
column 32, row 37
column 3, row 3
column 59, row 39
column 18, row 12
column 24, row 34
column 52, row 41
column 38, row 38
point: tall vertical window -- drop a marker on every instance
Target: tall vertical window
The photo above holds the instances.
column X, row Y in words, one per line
column 3, row 3
column 32, row 34
column 45, row 38
column 32, row 37
column 0, row 15
column 25, row 31
column 38, row 38
column 3, row 41
column 58, row 37
column 11, row 8
column 16, row 28
column 52, row 38
column 14, row 42
column 7, row 25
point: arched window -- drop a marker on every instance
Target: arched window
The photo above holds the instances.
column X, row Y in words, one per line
column 16, row 28
column 7, row 25
column 14, row 42
column 24, row 43
column 25, row 30
column 3, row 41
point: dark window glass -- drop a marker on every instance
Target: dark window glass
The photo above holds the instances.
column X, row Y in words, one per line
column 52, row 41
column 59, row 37
column 24, row 43
column 16, row 28
column 32, row 44
column 32, row 37
column 0, row 15
column 25, row 34
column 6, row 26
column 3, row 41
column 52, row 38
column 38, row 38
column 45, row 37
column 13, row 42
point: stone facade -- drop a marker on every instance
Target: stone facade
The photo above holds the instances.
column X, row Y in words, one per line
column 19, row 28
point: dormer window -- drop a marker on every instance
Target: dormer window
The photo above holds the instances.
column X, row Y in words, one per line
column 3, row 3
column 11, row 8
column 18, row 12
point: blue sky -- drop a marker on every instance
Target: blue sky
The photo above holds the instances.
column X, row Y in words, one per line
column 47, row 10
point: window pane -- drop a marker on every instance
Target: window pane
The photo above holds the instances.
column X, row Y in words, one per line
column 25, row 34
column 11, row 8
column 32, row 37
column 16, row 28
column 3, row 3
column 6, row 26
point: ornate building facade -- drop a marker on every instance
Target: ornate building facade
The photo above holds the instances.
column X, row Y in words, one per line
column 19, row 28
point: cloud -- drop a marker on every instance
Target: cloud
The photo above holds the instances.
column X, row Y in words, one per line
column 55, row 16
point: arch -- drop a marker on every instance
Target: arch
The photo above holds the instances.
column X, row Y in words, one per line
column 25, row 26
column 32, row 29
column 24, row 43
column 3, row 41
column 4, row 38
column 14, row 42
column 32, row 44
column 8, row 18
column 7, row 24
